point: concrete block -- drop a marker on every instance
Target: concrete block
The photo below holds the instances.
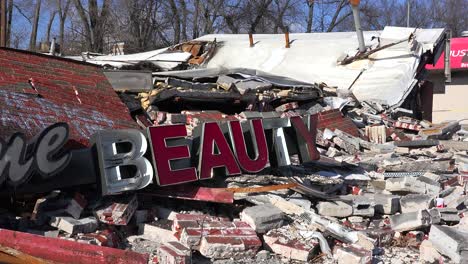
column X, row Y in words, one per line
column 452, row 196
column 385, row 203
column 156, row 233
column 420, row 185
column 427, row 252
column 262, row 218
column 449, row 241
column 335, row 209
column 73, row 226
column 366, row 242
column 351, row 255
column 173, row 253
column 449, row 215
column 411, row 221
column 298, row 199
column 414, row 202
column 431, row 176
column 362, row 205
column 383, row 236
column 76, row 205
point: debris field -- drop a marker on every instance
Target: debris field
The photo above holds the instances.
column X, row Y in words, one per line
column 222, row 165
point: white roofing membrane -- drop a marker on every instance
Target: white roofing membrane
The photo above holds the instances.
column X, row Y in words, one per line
column 388, row 75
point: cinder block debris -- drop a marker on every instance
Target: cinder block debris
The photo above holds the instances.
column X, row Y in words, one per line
column 427, row 252
column 385, row 203
column 335, row 209
column 411, row 221
column 76, row 205
column 449, row 242
column 414, row 202
column 352, row 255
column 73, row 226
column 262, row 218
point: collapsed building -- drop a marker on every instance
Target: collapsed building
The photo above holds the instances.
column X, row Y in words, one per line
column 232, row 149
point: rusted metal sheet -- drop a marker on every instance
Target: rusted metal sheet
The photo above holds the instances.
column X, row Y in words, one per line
column 53, row 250
column 188, row 192
column 263, row 188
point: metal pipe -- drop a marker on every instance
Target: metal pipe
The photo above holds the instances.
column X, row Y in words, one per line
column 52, row 47
column 3, row 14
column 408, row 12
column 447, row 66
column 357, row 23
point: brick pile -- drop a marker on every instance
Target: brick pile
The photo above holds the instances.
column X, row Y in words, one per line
column 216, row 237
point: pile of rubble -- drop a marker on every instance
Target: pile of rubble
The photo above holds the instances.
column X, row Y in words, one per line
column 387, row 187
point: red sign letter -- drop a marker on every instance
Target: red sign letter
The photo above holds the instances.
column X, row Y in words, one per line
column 259, row 144
column 306, row 138
column 162, row 155
column 215, row 152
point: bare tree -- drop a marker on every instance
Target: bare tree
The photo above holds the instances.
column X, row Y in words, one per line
column 451, row 14
column 259, row 9
column 185, row 11
column 196, row 15
column 310, row 15
column 176, row 19
column 63, row 7
column 32, row 40
column 234, row 14
column 49, row 24
column 338, row 17
column 94, row 21
column 9, row 19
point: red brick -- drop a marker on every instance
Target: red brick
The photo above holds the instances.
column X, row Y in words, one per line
column 217, row 237
column 54, row 78
column 173, row 253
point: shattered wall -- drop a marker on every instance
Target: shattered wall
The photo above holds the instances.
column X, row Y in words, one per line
column 67, row 91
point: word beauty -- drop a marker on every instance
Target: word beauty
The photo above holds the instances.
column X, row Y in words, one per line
column 44, row 155
column 217, row 147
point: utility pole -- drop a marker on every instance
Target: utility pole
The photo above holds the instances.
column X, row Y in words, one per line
column 408, row 2
column 357, row 24
column 3, row 15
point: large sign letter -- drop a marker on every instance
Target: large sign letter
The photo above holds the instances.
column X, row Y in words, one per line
column 215, row 152
column 260, row 161
column 122, row 169
column 13, row 165
column 50, row 157
column 163, row 155
column 306, row 137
